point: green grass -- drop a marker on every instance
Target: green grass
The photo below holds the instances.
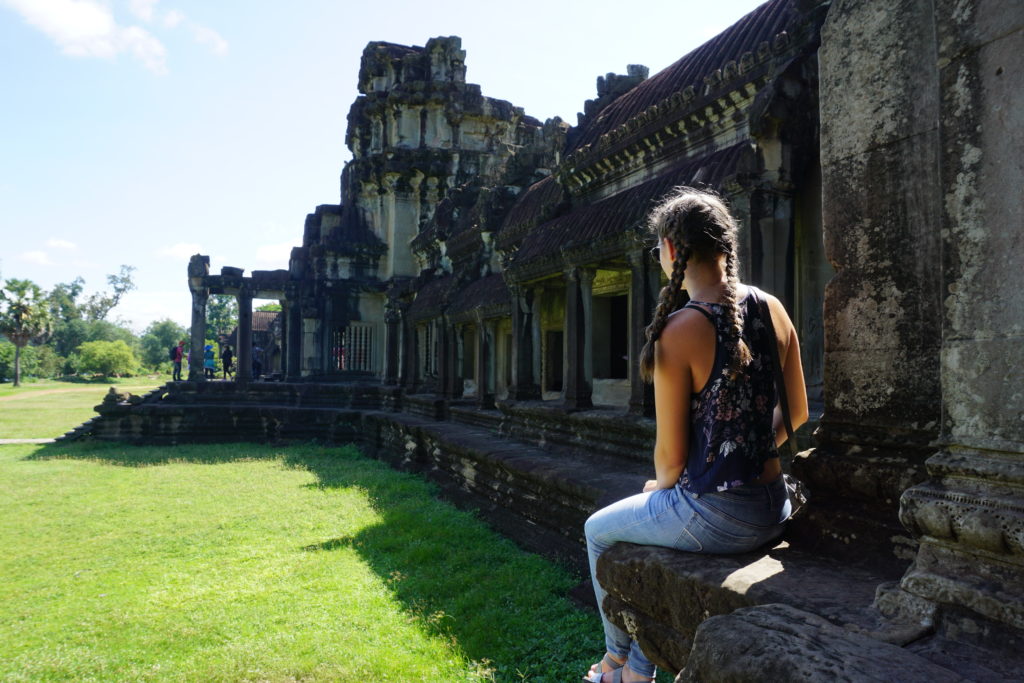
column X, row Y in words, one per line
column 48, row 409
column 248, row 562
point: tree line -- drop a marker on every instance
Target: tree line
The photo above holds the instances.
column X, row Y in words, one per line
column 63, row 333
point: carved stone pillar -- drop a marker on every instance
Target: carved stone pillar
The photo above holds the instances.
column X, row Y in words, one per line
column 392, row 332
column 969, row 516
column 882, row 309
column 525, row 386
column 535, row 332
column 294, row 349
column 452, row 379
column 198, row 269
column 578, row 390
column 484, row 348
column 643, row 296
column 244, row 373
column 409, row 378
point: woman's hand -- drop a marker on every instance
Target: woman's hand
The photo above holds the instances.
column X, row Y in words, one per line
column 651, row 485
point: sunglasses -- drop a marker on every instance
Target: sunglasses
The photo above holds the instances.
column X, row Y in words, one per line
column 656, row 253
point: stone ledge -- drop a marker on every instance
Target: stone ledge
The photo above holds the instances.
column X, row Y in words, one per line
column 662, row 596
column 778, row 642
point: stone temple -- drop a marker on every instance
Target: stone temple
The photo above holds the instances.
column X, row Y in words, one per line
column 472, row 309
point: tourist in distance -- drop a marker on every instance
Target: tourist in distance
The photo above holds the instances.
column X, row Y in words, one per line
column 209, row 368
column 226, row 359
column 718, row 484
column 179, row 355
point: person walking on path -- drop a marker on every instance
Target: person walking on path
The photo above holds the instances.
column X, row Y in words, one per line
column 718, row 485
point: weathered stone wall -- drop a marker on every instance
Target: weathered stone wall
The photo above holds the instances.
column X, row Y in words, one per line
column 970, row 515
column 882, row 312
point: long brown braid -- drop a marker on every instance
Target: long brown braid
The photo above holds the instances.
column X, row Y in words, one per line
column 697, row 224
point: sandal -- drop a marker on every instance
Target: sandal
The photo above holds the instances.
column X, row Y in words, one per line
column 595, row 675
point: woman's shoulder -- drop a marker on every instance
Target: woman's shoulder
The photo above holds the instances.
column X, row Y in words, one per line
column 686, row 327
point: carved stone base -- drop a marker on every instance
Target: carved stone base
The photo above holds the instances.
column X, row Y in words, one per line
column 970, row 521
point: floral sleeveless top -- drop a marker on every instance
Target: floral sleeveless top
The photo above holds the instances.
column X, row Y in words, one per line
column 731, row 433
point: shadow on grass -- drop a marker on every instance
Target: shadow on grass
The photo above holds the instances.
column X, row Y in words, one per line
column 504, row 608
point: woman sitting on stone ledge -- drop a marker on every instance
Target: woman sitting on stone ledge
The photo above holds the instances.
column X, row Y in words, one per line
column 718, row 485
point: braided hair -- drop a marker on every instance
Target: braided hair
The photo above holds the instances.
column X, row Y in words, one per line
column 698, row 225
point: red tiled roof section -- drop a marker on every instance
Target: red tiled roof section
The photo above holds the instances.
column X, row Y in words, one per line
column 490, row 290
column 262, row 320
column 530, row 208
column 745, row 35
column 626, row 209
column 431, row 297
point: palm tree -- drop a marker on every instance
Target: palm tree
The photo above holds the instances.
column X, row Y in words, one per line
column 24, row 316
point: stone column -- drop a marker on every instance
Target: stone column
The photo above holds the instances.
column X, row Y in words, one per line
column 577, row 388
column 409, row 378
column 643, row 296
column 882, row 313
column 484, row 392
column 294, row 348
column 452, row 379
column 524, row 384
column 198, row 269
column 244, row 373
column 536, row 330
column 392, row 323
column 969, row 516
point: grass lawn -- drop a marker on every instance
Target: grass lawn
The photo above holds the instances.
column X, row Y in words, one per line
column 49, row 408
column 249, row 562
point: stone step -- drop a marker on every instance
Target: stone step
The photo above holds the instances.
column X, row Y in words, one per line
column 663, row 595
column 539, row 497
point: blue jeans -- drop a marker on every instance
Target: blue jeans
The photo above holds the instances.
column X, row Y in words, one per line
column 734, row 521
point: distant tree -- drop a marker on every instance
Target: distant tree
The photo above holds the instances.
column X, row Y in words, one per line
column 68, row 336
column 270, row 306
column 63, row 301
column 29, row 365
column 221, row 315
column 157, row 339
column 104, row 330
column 24, row 316
column 99, row 305
column 109, row 358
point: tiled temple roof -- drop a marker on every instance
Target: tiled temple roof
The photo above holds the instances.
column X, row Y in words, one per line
column 744, row 41
column 488, row 291
column 627, row 209
column 431, row 298
column 262, row 320
column 534, row 205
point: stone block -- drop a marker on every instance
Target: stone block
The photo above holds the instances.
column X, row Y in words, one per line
column 778, row 642
column 873, row 60
column 963, row 26
column 657, row 590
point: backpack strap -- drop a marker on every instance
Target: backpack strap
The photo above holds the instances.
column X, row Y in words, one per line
column 780, row 381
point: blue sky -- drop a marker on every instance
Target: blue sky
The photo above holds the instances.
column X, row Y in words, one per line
column 142, row 131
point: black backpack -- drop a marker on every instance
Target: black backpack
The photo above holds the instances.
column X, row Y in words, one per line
column 172, row 353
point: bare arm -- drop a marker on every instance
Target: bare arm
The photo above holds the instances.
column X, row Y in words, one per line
column 792, row 372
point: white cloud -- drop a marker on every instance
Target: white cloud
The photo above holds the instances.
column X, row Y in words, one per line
column 40, row 258
column 274, row 255
column 172, row 18
column 60, row 244
column 87, row 28
column 207, row 36
column 181, row 250
column 143, row 9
